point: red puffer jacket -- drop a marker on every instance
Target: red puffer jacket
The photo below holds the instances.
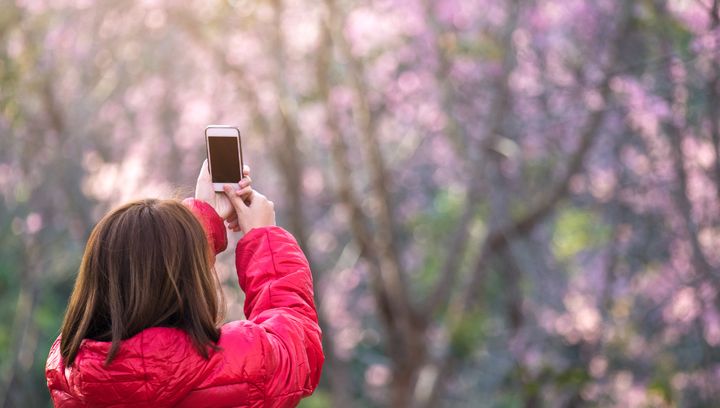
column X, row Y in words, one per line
column 273, row 359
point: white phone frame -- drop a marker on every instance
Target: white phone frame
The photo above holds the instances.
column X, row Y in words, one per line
column 222, row 131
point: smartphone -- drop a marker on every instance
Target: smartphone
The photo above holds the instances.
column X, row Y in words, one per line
column 224, row 155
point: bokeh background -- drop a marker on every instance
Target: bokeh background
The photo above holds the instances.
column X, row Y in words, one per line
column 505, row 203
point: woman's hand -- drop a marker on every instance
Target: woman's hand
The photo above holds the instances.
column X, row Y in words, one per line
column 256, row 212
column 219, row 201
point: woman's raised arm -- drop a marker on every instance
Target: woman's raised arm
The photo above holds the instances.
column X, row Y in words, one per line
column 276, row 278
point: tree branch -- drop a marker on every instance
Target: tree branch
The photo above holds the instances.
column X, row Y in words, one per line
column 498, row 238
column 487, row 158
column 385, row 226
column 458, row 242
column 348, row 198
column 675, row 137
column 405, row 340
column 713, row 98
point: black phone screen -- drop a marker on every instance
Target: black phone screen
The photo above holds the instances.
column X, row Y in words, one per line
column 224, row 159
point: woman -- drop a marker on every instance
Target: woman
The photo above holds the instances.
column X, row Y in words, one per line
column 142, row 327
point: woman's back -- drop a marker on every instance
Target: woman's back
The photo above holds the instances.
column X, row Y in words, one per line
column 272, row 359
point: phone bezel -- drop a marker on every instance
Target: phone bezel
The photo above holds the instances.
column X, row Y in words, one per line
column 222, row 131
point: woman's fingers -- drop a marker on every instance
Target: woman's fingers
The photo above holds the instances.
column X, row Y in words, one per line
column 260, row 212
column 255, row 212
column 233, row 225
column 235, row 200
column 231, row 217
column 246, row 170
column 244, row 193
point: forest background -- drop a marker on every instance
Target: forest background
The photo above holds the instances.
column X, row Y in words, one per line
column 505, row 203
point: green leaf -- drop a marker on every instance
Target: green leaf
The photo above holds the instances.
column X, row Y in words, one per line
column 467, row 335
column 577, row 230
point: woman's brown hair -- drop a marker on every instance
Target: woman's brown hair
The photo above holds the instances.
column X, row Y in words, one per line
column 146, row 264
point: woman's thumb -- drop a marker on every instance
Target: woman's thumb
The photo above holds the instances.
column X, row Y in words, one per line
column 204, row 172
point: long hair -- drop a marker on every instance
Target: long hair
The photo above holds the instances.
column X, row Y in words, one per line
column 146, row 264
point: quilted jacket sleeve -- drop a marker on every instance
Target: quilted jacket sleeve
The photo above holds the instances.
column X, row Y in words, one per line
column 211, row 221
column 276, row 278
